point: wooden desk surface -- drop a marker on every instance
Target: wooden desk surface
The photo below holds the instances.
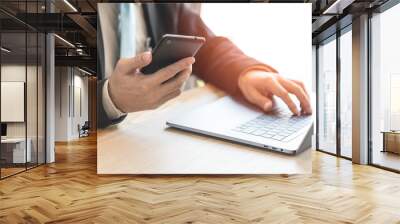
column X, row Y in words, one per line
column 143, row 144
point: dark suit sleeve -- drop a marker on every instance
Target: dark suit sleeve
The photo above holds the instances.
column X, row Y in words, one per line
column 102, row 118
column 219, row 61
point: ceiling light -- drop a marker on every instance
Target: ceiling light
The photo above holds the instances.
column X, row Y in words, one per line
column 337, row 7
column 65, row 41
column 70, row 5
column 84, row 71
column 5, row 50
column 80, row 51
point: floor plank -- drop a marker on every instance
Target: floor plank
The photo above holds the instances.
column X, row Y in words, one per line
column 70, row 191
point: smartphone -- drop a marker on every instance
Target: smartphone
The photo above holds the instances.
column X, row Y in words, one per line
column 172, row 48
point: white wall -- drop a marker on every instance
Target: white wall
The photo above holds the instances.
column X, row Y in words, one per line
column 61, row 104
column 79, row 117
column 12, row 99
column 12, row 73
column 70, row 83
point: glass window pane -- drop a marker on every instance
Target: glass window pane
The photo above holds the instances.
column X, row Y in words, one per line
column 327, row 97
column 23, row 90
column 32, row 87
column 41, row 99
column 31, row 98
column 385, row 88
column 346, row 94
column 13, row 87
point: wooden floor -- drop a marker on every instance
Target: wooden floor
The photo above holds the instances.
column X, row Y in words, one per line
column 69, row 191
column 387, row 159
column 5, row 172
column 8, row 171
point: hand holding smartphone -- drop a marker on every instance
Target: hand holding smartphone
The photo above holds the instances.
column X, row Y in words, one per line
column 172, row 48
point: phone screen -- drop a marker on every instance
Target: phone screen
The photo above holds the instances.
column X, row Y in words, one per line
column 171, row 49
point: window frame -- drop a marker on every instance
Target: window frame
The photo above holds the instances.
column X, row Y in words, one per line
column 27, row 29
column 381, row 9
column 334, row 37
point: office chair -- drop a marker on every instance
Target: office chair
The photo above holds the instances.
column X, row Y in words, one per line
column 84, row 130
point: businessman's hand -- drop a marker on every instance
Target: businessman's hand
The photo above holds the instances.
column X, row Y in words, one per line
column 258, row 87
column 132, row 91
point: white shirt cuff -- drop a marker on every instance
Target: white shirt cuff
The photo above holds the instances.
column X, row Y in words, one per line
column 109, row 107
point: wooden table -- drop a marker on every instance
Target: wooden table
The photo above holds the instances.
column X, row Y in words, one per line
column 391, row 141
column 14, row 152
column 142, row 144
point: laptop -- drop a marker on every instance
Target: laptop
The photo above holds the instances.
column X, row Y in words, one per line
column 240, row 122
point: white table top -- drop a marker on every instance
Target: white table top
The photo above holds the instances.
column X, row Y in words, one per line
column 143, row 145
column 13, row 140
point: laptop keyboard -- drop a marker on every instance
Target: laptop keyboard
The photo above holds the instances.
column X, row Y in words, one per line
column 280, row 125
